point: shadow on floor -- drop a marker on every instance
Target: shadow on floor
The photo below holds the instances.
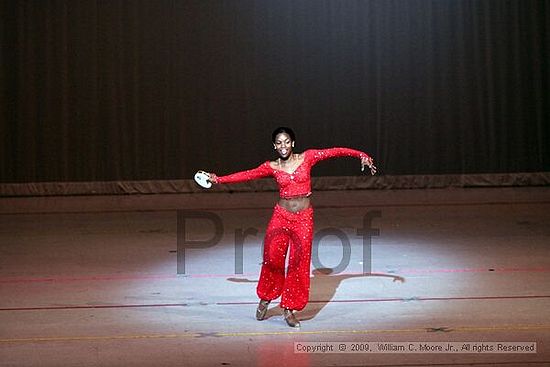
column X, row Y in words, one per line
column 324, row 286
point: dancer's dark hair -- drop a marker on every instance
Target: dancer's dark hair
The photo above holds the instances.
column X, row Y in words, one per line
column 285, row 130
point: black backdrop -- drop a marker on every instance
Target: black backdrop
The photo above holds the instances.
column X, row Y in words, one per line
column 133, row 90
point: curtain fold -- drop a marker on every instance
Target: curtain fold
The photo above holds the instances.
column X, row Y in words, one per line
column 155, row 90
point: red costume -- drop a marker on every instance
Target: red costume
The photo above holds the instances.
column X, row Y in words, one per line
column 286, row 228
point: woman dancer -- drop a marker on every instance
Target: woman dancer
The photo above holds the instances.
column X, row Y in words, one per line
column 291, row 223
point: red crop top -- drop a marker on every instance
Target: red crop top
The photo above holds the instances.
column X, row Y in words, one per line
column 297, row 183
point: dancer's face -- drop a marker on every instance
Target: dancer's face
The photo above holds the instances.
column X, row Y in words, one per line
column 283, row 144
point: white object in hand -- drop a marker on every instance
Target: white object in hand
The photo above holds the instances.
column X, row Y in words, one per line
column 203, row 179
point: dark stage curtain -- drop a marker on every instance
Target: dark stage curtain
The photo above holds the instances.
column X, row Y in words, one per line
column 154, row 90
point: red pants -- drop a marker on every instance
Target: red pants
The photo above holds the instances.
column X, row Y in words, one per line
column 287, row 228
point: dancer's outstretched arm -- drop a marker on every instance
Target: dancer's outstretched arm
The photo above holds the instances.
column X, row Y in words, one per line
column 366, row 160
column 262, row 170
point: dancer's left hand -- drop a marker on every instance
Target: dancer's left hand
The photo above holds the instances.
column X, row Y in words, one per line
column 369, row 162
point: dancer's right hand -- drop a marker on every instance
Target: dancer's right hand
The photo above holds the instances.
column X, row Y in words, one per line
column 212, row 177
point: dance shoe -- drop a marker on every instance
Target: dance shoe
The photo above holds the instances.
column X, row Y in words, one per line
column 290, row 318
column 261, row 311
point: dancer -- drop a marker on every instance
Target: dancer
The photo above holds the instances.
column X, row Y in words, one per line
column 291, row 223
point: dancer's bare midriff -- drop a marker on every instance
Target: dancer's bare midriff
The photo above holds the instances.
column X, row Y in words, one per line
column 295, row 204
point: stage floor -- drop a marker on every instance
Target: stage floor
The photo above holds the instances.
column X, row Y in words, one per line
column 93, row 281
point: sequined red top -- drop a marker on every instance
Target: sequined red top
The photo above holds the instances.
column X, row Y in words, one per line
column 297, row 183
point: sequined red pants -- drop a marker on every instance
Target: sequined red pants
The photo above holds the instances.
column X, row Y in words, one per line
column 287, row 229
